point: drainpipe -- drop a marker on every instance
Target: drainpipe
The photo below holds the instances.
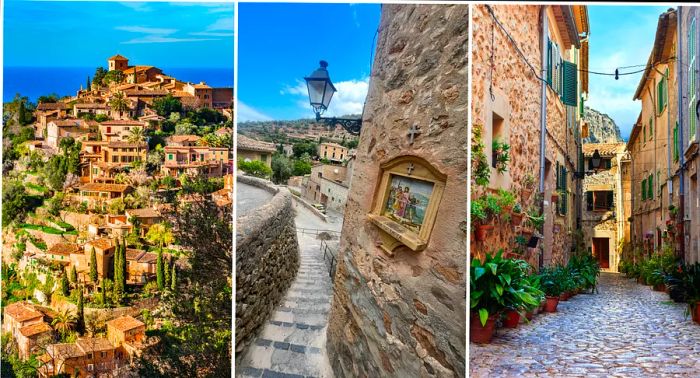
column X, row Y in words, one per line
column 543, row 110
column 681, row 155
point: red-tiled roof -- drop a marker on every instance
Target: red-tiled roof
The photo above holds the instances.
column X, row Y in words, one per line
column 143, row 213
column 246, row 143
column 117, row 57
column 94, row 344
column 35, row 329
column 126, row 122
column 102, row 243
column 125, row 323
column 52, row 106
column 21, row 311
column 604, row 149
column 64, row 351
column 183, row 138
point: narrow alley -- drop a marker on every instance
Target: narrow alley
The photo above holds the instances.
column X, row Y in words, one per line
column 624, row 330
column 293, row 342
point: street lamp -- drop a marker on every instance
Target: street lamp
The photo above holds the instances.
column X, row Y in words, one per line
column 596, row 160
column 321, row 91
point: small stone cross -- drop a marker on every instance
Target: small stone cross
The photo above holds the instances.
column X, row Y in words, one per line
column 410, row 168
column 413, row 132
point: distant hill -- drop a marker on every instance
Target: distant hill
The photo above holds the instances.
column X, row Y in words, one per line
column 300, row 129
column 601, row 128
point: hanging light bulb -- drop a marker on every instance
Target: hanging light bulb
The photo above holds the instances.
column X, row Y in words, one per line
column 617, row 74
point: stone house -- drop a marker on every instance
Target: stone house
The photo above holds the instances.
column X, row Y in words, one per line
column 333, row 152
column 686, row 135
column 99, row 194
column 126, row 333
column 183, row 140
column 222, row 98
column 140, row 266
column 61, row 252
column 249, row 149
column 102, row 160
column 118, row 130
column 328, row 185
column 104, row 254
column 90, row 108
column 62, row 128
column 87, row 357
column 196, row 160
column 202, row 92
column 603, row 218
column 27, row 326
column 548, row 65
column 650, row 142
column 146, row 217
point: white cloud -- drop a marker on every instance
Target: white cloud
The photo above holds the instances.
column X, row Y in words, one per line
column 349, row 99
column 156, row 35
column 247, row 113
column 137, row 6
column 224, row 23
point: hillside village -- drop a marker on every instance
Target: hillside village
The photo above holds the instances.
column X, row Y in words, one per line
column 104, row 195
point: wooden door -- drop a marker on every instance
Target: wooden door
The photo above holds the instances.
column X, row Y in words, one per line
column 601, row 251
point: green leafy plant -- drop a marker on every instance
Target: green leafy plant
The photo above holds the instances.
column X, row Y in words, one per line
column 552, row 280
column 481, row 172
column 501, row 155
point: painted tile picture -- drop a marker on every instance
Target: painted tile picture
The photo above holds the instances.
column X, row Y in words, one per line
column 408, row 200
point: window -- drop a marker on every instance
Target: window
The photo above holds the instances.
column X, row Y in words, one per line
column 651, row 128
column 605, row 163
column 650, row 190
column 644, row 128
column 170, row 156
column 599, row 200
column 562, row 174
column 644, row 189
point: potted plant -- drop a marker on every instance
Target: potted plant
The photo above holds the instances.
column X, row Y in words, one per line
column 501, row 155
column 481, row 171
column 483, row 211
column 516, row 216
column 486, row 299
column 551, row 280
column 528, row 186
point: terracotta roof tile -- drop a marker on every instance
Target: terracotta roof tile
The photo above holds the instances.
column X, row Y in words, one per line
column 605, row 149
column 21, row 311
column 126, row 122
column 94, row 344
column 184, row 138
column 51, row 106
column 64, row 351
column 102, row 243
column 125, row 323
column 147, row 212
column 35, row 329
column 246, row 143
column 117, row 57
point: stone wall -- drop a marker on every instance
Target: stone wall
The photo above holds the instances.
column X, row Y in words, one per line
column 267, row 259
column 404, row 316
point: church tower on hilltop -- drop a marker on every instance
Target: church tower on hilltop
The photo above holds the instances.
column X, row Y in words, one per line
column 118, row 62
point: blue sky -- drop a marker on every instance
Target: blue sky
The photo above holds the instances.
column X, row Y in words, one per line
column 279, row 44
column 620, row 36
column 84, row 34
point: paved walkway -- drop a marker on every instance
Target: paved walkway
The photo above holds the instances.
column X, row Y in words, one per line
column 626, row 330
column 249, row 197
column 293, row 342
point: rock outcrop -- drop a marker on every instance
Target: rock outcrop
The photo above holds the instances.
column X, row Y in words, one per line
column 601, row 128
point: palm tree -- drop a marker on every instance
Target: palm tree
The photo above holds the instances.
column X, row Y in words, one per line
column 119, row 102
column 64, row 322
column 137, row 135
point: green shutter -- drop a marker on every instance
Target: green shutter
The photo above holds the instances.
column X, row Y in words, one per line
column 651, row 128
column 570, row 86
column 675, row 142
column 644, row 189
column 589, row 201
column 650, row 191
column 549, row 62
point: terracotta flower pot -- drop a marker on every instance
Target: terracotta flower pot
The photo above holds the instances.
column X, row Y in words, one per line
column 564, row 296
column 516, row 219
column 481, row 334
column 659, row 287
column 555, row 197
column 525, row 193
column 529, row 315
column 695, row 313
column 481, row 231
column 551, row 304
column 511, row 319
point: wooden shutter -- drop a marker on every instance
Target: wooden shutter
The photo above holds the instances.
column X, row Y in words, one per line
column 675, row 142
column 650, row 191
column 549, row 62
column 610, row 200
column 570, row 86
column 589, row 201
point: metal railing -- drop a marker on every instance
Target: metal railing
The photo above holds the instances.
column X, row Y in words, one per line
column 316, row 231
column 329, row 257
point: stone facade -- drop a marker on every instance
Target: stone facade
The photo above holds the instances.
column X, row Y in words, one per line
column 506, row 105
column 651, row 140
column 688, row 149
column 404, row 316
column 603, row 219
column 267, row 260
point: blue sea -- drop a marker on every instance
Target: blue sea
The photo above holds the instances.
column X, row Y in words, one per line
column 38, row 81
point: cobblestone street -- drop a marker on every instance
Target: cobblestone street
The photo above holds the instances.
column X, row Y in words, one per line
column 625, row 330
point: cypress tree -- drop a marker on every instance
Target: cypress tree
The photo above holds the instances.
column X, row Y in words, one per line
column 93, row 266
column 73, row 275
column 80, row 323
column 160, row 271
column 118, row 281
column 88, row 83
column 124, row 272
column 104, row 292
column 173, row 282
column 166, row 270
column 65, row 286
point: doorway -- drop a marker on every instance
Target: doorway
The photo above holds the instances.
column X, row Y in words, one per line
column 601, row 252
